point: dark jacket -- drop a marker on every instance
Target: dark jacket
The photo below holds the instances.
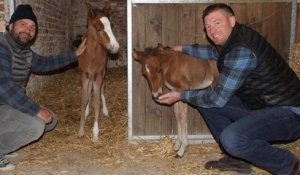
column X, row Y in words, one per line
column 273, row 82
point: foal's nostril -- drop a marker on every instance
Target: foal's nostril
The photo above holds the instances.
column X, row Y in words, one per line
column 115, row 49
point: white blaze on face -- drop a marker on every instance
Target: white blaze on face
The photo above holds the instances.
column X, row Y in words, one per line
column 147, row 69
column 159, row 91
column 114, row 45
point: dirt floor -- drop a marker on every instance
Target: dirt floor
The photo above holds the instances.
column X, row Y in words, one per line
column 62, row 152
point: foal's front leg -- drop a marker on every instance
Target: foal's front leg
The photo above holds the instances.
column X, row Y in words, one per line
column 97, row 84
column 180, row 109
column 85, row 98
column 177, row 117
column 104, row 106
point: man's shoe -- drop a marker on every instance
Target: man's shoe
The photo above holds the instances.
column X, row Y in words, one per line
column 227, row 163
column 5, row 165
column 296, row 168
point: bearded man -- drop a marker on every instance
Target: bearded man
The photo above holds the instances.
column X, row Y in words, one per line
column 22, row 120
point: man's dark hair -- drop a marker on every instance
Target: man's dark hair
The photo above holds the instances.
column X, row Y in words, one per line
column 217, row 6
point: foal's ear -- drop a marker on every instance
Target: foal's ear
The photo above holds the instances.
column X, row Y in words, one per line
column 137, row 55
column 90, row 10
column 106, row 9
column 160, row 46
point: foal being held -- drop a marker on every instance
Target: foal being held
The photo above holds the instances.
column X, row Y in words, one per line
column 93, row 62
column 177, row 72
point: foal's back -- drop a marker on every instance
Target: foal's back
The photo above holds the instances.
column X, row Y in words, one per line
column 184, row 72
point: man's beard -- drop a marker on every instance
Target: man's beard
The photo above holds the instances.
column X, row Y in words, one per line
column 17, row 38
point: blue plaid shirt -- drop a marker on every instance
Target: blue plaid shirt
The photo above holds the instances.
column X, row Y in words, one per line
column 15, row 96
column 237, row 65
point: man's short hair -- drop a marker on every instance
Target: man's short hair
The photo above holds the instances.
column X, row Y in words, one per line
column 217, row 6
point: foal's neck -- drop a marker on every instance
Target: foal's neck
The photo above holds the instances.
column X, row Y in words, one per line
column 93, row 46
column 166, row 58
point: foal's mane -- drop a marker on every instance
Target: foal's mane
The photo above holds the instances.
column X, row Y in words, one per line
column 156, row 50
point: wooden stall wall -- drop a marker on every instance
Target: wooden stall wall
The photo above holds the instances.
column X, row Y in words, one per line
column 173, row 24
column 298, row 23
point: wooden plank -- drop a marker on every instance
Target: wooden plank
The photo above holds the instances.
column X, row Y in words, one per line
column 276, row 18
column 138, row 81
column 187, row 35
column 268, row 23
column 170, row 24
column 283, row 23
column 153, row 32
column 298, row 24
column 187, row 28
column 240, row 11
column 254, row 16
column 199, row 126
column 200, row 33
column 170, row 38
column 194, row 122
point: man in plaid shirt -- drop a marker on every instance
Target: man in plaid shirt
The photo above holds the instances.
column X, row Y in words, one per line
column 256, row 101
column 22, row 120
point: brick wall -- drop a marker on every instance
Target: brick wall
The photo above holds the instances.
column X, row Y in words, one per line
column 53, row 24
column 54, row 33
column 59, row 21
column 2, row 16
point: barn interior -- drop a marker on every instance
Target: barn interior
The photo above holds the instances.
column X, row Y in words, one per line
column 139, row 141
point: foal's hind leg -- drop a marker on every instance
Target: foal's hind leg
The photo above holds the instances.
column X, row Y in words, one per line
column 96, row 91
column 104, row 106
column 85, row 98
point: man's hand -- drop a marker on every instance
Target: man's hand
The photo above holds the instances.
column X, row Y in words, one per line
column 81, row 47
column 177, row 48
column 45, row 115
column 169, row 98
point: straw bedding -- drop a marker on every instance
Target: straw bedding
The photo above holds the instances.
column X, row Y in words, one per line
column 61, row 151
column 295, row 59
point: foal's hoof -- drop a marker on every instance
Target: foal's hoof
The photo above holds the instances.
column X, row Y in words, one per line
column 95, row 139
column 80, row 133
column 178, row 156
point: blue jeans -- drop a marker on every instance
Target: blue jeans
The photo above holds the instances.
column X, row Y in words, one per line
column 248, row 134
column 18, row 129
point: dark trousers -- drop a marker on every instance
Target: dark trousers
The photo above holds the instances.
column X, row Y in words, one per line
column 248, row 134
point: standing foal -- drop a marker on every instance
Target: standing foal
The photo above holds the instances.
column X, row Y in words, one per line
column 93, row 62
column 177, row 72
